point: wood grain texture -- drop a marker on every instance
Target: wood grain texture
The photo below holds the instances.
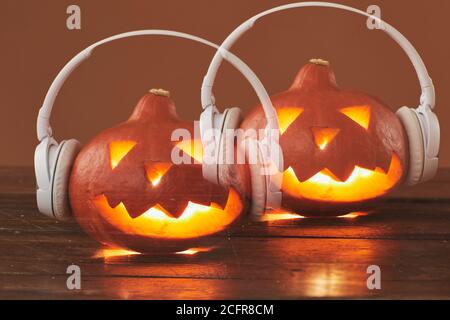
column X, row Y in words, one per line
column 408, row 237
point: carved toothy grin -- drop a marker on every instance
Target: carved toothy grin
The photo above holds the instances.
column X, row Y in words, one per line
column 362, row 184
column 195, row 221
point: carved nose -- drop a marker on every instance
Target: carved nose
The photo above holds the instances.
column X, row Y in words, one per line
column 323, row 136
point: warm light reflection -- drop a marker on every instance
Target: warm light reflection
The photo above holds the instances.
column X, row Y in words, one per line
column 193, row 251
column 362, row 184
column 353, row 215
column 323, row 136
column 118, row 150
column 195, row 221
column 193, row 148
column 277, row 216
column 106, row 253
column 359, row 114
column 324, row 283
column 286, row 116
column 155, row 171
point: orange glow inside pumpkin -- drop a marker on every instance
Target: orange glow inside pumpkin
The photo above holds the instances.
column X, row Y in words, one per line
column 193, row 148
column 286, row 116
column 195, row 221
column 362, row 184
column 323, row 136
column 118, row 150
column 155, row 171
column 359, row 114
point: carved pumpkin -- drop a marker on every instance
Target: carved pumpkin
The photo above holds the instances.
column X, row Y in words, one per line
column 125, row 190
column 342, row 149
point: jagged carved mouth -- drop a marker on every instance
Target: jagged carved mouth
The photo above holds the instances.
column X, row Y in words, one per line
column 195, row 221
column 362, row 184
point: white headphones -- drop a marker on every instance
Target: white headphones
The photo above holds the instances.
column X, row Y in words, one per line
column 421, row 124
column 53, row 161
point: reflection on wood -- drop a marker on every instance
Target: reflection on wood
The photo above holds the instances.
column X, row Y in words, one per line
column 408, row 237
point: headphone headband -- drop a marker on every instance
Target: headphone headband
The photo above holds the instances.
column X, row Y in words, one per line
column 43, row 122
column 427, row 98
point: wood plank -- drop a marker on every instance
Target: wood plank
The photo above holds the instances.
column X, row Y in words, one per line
column 248, row 268
column 17, row 180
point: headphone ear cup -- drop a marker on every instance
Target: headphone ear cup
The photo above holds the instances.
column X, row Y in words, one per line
column 258, row 185
column 61, row 175
column 411, row 124
column 227, row 173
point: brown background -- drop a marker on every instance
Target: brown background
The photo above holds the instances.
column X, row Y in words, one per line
column 35, row 44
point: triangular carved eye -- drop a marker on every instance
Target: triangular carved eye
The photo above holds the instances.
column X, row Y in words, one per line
column 359, row 114
column 118, row 150
column 286, row 116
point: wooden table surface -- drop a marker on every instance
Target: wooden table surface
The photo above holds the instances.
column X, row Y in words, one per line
column 408, row 237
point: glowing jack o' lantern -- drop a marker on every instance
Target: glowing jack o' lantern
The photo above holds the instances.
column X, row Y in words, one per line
column 125, row 190
column 342, row 149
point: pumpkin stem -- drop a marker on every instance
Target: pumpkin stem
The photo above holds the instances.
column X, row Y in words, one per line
column 317, row 74
column 320, row 62
column 154, row 106
column 160, row 92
